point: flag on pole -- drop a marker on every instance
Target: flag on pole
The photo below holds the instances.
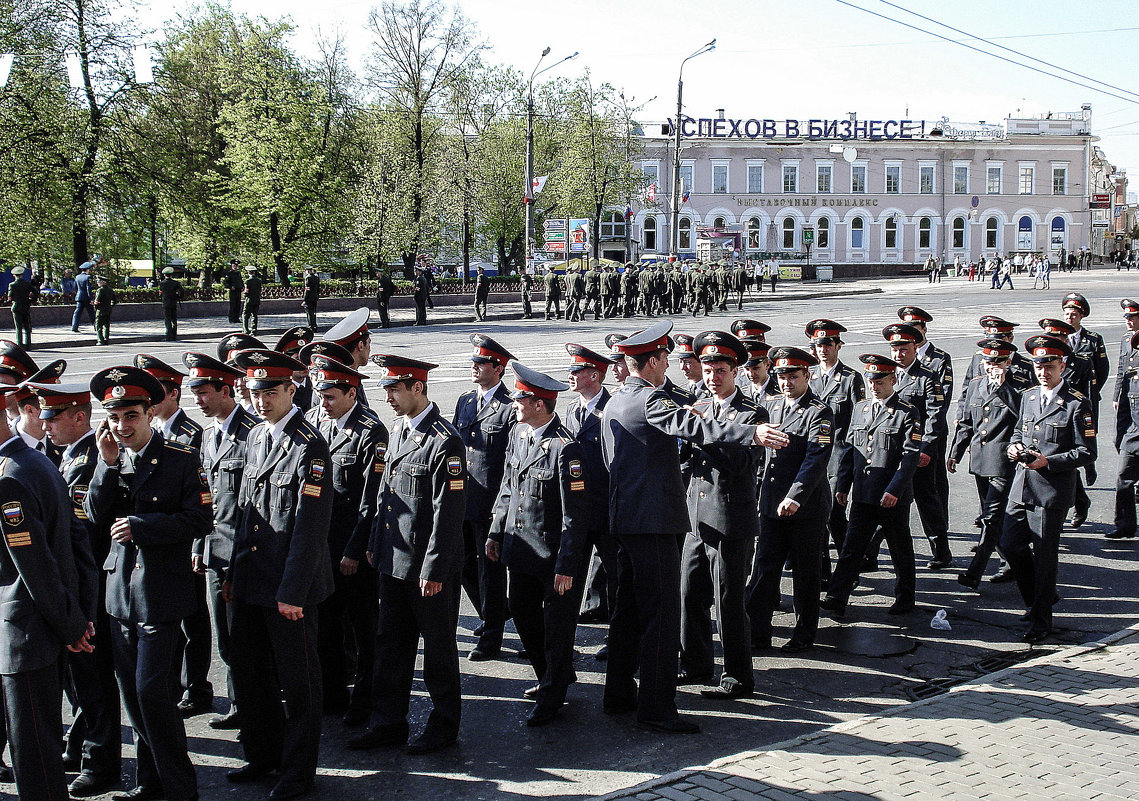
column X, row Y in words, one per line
column 143, row 69
column 534, row 189
column 6, row 60
column 74, row 71
column 685, row 198
column 628, row 212
column 651, row 193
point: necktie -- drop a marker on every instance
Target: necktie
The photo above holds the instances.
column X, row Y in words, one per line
column 218, row 436
column 40, row 447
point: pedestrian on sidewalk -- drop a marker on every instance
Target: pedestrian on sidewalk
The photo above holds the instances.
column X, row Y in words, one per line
column 83, row 292
column 771, row 270
column 252, row 294
column 311, row 296
column 1004, row 275
column 233, row 287
column 172, row 294
column 422, row 294
column 482, row 293
column 22, row 294
column 384, row 296
column 104, row 301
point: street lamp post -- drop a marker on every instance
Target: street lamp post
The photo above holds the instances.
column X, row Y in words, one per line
column 675, row 227
column 527, row 247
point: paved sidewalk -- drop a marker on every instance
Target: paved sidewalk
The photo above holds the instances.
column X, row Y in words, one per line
column 1062, row 726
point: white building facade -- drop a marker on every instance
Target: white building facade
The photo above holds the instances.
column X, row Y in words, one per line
column 876, row 192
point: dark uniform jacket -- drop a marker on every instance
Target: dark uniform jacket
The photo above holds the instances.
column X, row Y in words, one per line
column 918, row 387
column 485, row 435
column 1080, row 375
column 799, row 470
column 224, row 463
column 482, row 286
column 1127, row 415
column 586, row 429
column 722, row 485
column 418, row 533
column 168, row 502
column 1092, row 345
column 305, row 397
column 940, row 364
column 43, row 608
column 171, row 291
column 1020, row 368
column 1128, row 360
column 312, row 291
column 358, row 451
column 386, row 289
column 186, row 431
column 841, row 391
column 639, row 436
column 22, row 294
column 541, row 517
column 553, row 283
column 881, row 452
column 77, row 468
column 280, row 551
column 989, row 416
column 1063, row 432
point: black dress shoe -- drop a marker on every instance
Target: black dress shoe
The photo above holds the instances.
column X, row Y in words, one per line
column 1035, row 636
column 481, row 654
column 289, row 789
column 939, row 563
column 228, row 721
column 965, row 580
column 140, row 793
column 189, row 708
column 543, row 714
column 728, row 689
column 1002, row 576
column 251, row 772
column 87, row 785
column 835, row 606
column 71, row 763
column 430, row 741
column 603, row 654
column 532, row 692
column 684, row 678
column 1079, row 517
column 593, row 616
column 677, row 725
column 1119, row 535
column 6, row 775
column 356, row 716
column 380, row 737
column 795, row 646
column 900, row 607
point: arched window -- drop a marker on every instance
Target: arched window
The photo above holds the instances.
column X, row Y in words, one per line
column 857, row 231
column 991, row 233
column 1024, row 234
column 823, row 233
column 958, row 232
column 685, row 234
column 754, row 234
column 891, row 233
column 613, row 225
column 719, row 223
column 925, row 233
column 650, row 233
column 789, row 233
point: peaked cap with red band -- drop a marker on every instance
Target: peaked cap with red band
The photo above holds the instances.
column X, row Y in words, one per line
column 487, row 350
column 749, row 329
column 788, row 359
column 56, row 398
column 265, row 369
column 401, row 368
column 205, row 369
column 584, row 358
column 530, row 383
column 823, row 330
column 126, row 386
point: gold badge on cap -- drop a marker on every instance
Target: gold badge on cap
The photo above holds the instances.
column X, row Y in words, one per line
column 258, row 357
column 116, row 375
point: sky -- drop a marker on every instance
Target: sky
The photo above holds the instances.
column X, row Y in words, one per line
column 804, row 59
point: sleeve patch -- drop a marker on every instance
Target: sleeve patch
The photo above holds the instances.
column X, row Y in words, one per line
column 454, row 465
column 575, row 468
column 201, row 476
column 311, row 490
column 13, row 513
column 207, row 498
column 316, row 470
column 455, row 484
column 577, row 486
column 18, row 538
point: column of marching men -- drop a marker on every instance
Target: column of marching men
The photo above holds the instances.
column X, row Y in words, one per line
column 322, row 548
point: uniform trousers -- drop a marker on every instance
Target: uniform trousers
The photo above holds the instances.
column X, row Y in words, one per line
column 601, row 580
column 553, row 306
column 222, row 614
column 644, row 629
column 146, row 662
column 573, row 309
column 197, row 649
column 715, row 572
column 353, row 602
column 836, row 527
column 405, row 616
column 992, row 522
column 1031, row 543
column 33, row 708
column 931, row 496
column 780, row 539
column 420, row 310
column 1125, row 518
column 485, row 583
column 382, row 311
column 310, row 315
column 276, row 678
column 170, row 318
column 547, row 624
column 235, row 305
column 95, row 736
column 103, row 326
column 249, row 319
column 527, row 305
column 610, row 305
column 865, row 518
column 22, row 320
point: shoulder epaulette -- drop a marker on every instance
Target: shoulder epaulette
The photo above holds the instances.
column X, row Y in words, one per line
column 177, row 446
column 367, row 422
column 906, row 405
column 306, row 431
column 189, row 427
column 1077, row 393
column 248, row 423
column 818, row 404
column 440, row 429
column 749, row 404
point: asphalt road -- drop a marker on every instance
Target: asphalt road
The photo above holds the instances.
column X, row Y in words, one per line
column 586, row 752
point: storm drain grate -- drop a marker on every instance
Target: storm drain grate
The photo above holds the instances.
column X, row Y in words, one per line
column 982, row 667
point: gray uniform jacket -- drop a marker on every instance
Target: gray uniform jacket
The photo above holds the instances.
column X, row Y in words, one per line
column 918, row 387
column 799, row 470
column 841, row 391
column 185, row 431
column 484, row 433
column 542, row 513
column 881, row 452
column 1127, row 416
column 1063, row 432
column 224, row 463
column 1128, row 360
column 988, row 419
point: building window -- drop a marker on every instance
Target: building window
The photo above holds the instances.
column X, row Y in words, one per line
column 893, row 179
column 755, row 179
column 1027, row 176
column 651, row 173
column 613, row 226
column 858, row 179
column 1024, row 233
column 1059, row 241
column 960, row 180
column 925, row 179
column 958, row 232
column 823, row 233
column 857, row 233
column 650, row 233
column 823, row 183
column 754, row 234
column 685, row 178
column 789, row 233
column 719, row 223
column 719, row 179
column 1059, row 180
column 925, row 233
column 991, row 233
column 993, row 180
column 790, row 178
column 685, row 230
column 891, row 233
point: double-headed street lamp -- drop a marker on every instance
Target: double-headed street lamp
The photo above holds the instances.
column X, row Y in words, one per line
column 529, row 194
column 675, row 228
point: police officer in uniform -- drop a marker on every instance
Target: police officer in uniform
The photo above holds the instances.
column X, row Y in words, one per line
column 554, row 285
column 839, row 386
column 484, row 419
column 1090, row 345
column 647, row 515
column 227, row 347
column 876, row 479
column 689, row 364
column 384, row 291
column 1127, row 444
column 539, row 531
column 358, row 444
column 794, row 502
column 251, row 292
column 417, row 549
column 757, row 382
column 22, row 294
column 279, row 574
column 28, row 423
column 1055, row 436
column 233, row 286
column 989, row 415
column 45, row 611
column 94, row 740
column 311, row 296
column 153, row 494
column 717, row 551
column 1019, row 366
column 352, row 334
column 213, row 385
column 171, row 290
column 1128, row 355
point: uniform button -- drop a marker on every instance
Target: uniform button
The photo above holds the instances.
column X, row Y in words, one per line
column 470, row 447
column 701, row 494
column 389, row 508
column 387, row 525
column 260, row 487
column 1037, row 427
column 254, row 548
column 138, row 565
column 469, row 463
column 154, row 498
column 257, row 528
